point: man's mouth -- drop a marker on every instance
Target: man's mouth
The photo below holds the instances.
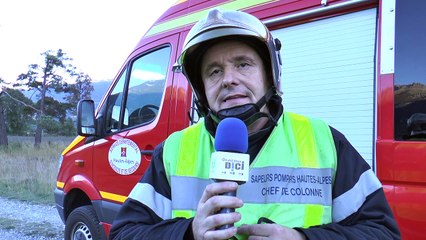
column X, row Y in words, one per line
column 233, row 97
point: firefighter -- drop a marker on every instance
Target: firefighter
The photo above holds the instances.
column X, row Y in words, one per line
column 306, row 180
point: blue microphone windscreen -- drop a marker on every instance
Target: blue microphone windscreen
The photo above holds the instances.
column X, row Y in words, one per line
column 231, row 136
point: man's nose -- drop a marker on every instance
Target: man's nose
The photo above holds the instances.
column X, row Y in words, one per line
column 229, row 78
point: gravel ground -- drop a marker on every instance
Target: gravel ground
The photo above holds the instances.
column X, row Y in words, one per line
column 28, row 221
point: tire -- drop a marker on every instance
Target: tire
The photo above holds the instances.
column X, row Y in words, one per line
column 83, row 224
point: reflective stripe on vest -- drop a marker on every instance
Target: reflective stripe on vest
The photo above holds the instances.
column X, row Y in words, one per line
column 290, row 179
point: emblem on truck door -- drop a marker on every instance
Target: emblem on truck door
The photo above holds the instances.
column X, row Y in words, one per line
column 124, row 156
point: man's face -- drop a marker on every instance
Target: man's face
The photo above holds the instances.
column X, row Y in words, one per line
column 233, row 74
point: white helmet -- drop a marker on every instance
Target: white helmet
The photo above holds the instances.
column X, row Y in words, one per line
column 236, row 25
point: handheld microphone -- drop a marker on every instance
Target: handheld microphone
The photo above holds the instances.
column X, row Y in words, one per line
column 230, row 162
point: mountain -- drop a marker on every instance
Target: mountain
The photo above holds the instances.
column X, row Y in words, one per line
column 99, row 89
column 406, row 94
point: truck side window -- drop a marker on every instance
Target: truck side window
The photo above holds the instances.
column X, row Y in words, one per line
column 146, row 87
column 410, row 70
column 140, row 103
column 114, row 103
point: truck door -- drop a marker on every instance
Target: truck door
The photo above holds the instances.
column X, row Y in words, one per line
column 135, row 117
column 401, row 145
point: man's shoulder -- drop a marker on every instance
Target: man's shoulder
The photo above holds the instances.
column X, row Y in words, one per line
column 337, row 135
column 296, row 117
column 177, row 135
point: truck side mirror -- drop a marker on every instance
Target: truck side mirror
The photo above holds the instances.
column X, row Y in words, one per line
column 177, row 68
column 86, row 118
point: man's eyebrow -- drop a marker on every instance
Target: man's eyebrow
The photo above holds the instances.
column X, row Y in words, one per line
column 239, row 58
column 210, row 66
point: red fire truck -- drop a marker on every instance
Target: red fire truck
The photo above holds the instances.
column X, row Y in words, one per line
column 358, row 64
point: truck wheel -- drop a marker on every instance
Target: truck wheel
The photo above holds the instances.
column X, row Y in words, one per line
column 83, row 224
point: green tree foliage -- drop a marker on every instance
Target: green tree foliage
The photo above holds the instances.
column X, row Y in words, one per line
column 3, row 131
column 45, row 77
column 55, row 120
column 81, row 89
column 68, row 128
column 18, row 111
column 22, row 116
column 54, row 109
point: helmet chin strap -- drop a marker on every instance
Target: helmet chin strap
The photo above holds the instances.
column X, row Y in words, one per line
column 248, row 113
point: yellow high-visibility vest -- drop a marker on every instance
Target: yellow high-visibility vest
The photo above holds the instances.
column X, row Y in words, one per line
column 290, row 179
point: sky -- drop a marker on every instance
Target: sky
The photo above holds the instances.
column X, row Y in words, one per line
column 97, row 34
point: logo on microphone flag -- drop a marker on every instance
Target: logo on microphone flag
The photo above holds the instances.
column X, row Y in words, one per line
column 229, row 166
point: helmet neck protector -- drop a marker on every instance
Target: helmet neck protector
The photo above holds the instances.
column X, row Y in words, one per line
column 248, row 113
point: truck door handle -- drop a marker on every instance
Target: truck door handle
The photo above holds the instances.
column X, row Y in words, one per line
column 147, row 152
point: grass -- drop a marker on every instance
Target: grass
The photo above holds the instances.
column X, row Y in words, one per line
column 42, row 229
column 28, row 173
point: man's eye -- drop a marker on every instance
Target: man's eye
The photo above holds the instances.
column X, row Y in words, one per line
column 214, row 72
column 243, row 65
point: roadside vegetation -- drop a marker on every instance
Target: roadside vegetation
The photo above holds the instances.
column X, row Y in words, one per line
column 39, row 106
column 40, row 113
column 36, row 109
column 27, row 172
